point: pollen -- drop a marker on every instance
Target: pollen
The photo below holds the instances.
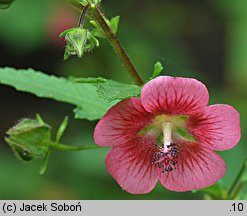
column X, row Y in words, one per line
column 166, row 160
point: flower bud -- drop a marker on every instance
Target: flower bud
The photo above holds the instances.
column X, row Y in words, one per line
column 79, row 40
column 29, row 139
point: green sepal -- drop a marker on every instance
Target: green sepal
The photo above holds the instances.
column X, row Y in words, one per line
column 158, row 68
column 63, row 34
column 185, row 134
column 20, row 151
column 29, row 139
column 62, row 128
column 97, row 31
column 91, row 43
column 76, row 41
column 45, row 163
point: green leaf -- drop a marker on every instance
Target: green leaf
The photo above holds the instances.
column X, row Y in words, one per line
column 62, row 128
column 157, row 70
column 114, row 22
column 91, row 80
column 42, row 85
column 111, row 91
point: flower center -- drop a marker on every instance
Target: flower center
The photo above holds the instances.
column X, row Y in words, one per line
column 166, row 156
column 166, row 160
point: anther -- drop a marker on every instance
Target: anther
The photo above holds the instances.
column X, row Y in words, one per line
column 166, row 160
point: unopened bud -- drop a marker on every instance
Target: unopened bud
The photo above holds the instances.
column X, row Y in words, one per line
column 29, row 139
column 79, row 41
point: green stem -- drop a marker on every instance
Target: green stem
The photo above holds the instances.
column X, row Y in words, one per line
column 237, row 180
column 63, row 147
column 113, row 40
column 238, row 189
column 117, row 46
column 82, row 17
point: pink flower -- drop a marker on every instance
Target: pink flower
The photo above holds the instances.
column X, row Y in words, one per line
column 170, row 135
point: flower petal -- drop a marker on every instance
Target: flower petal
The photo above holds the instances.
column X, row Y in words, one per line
column 196, row 168
column 218, row 127
column 130, row 165
column 121, row 123
column 174, row 95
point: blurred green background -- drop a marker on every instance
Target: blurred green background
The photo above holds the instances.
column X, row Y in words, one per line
column 204, row 39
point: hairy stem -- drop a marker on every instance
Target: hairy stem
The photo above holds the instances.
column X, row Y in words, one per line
column 113, row 40
column 118, row 48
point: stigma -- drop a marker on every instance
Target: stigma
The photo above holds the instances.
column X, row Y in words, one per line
column 165, row 157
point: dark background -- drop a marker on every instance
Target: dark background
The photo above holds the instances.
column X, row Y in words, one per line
column 203, row 39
